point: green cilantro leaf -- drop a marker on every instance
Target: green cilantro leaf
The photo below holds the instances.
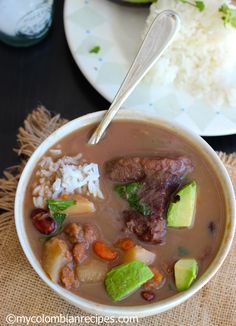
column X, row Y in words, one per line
column 127, row 191
column 59, row 205
column 95, row 49
column 130, row 193
column 59, row 218
column 200, row 5
column 229, row 15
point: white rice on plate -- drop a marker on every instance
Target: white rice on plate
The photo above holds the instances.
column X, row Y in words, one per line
column 63, row 176
column 202, row 58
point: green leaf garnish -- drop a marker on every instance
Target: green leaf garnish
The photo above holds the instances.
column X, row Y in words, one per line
column 127, row 191
column 95, row 49
column 229, row 15
column 59, row 218
column 130, row 193
column 57, row 207
column 200, row 5
column 182, row 251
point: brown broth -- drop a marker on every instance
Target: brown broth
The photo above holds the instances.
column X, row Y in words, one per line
column 143, row 139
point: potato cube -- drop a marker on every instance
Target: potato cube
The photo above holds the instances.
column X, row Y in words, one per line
column 82, row 206
column 139, row 253
column 55, row 256
column 91, row 271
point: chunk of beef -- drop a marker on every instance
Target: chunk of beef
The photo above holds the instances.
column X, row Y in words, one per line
column 67, row 277
column 147, row 228
column 74, row 232
column 80, row 252
column 136, row 168
column 161, row 177
column 90, row 233
column 157, row 190
column 77, row 233
column 125, row 169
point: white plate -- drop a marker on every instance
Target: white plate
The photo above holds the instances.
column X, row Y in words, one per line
column 117, row 30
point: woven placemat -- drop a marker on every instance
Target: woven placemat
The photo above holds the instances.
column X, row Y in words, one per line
column 23, row 293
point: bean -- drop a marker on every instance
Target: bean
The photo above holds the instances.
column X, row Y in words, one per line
column 212, row 227
column 148, row 295
column 43, row 221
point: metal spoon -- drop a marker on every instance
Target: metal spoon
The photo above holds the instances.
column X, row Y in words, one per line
column 158, row 38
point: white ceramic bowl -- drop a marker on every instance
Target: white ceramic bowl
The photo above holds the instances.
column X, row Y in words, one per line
column 147, row 309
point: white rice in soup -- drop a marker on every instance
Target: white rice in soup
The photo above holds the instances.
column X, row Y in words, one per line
column 63, row 176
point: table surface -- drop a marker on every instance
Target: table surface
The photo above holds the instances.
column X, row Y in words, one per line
column 47, row 74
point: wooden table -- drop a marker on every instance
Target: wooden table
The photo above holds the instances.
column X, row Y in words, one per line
column 46, row 73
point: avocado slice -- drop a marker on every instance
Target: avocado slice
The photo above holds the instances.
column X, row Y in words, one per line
column 185, row 273
column 181, row 213
column 126, row 278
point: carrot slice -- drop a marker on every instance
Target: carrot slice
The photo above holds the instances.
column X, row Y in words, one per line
column 103, row 251
column 125, row 244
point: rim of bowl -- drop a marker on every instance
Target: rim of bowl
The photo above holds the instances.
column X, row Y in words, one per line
column 140, row 310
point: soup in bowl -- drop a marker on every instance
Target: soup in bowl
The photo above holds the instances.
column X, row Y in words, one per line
column 131, row 226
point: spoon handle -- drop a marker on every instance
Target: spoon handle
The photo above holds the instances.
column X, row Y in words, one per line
column 158, row 38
